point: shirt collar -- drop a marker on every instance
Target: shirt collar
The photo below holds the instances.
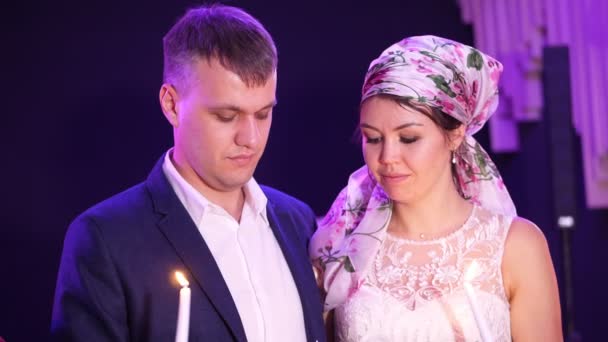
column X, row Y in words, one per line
column 196, row 203
column 255, row 197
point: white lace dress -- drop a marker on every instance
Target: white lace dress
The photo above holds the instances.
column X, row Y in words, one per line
column 414, row 289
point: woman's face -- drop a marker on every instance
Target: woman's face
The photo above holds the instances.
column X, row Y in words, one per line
column 406, row 152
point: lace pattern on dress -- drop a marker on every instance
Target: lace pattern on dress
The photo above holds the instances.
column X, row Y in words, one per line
column 421, row 282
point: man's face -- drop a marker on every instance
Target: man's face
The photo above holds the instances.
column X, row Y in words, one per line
column 221, row 127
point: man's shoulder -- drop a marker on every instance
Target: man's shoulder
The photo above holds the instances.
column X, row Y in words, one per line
column 287, row 203
column 278, row 197
column 116, row 220
column 127, row 204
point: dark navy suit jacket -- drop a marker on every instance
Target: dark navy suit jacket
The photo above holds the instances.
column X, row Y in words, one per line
column 116, row 277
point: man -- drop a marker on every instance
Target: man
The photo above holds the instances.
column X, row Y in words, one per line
column 242, row 247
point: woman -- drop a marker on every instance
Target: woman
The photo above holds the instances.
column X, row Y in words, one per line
column 424, row 243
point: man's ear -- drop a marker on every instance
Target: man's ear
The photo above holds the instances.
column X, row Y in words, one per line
column 456, row 137
column 168, row 103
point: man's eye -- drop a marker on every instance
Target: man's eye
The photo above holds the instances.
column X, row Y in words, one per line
column 262, row 116
column 225, row 118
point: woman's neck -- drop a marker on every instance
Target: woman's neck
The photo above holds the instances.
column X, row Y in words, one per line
column 436, row 215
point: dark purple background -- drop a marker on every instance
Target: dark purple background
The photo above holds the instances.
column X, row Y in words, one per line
column 81, row 121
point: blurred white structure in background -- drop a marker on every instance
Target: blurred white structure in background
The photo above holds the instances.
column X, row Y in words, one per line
column 515, row 32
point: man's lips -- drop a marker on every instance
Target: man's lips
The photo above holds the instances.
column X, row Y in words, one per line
column 241, row 159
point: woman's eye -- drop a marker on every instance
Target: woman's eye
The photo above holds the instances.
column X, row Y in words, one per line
column 371, row 140
column 408, row 140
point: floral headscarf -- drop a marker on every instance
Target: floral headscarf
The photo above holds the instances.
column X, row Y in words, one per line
column 455, row 78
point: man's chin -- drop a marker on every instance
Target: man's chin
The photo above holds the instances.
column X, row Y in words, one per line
column 234, row 183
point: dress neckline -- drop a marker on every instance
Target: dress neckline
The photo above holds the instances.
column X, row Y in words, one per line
column 440, row 238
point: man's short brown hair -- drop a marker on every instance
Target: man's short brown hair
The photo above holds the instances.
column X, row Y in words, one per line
column 239, row 42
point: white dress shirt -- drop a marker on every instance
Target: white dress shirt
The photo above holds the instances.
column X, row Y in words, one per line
column 249, row 258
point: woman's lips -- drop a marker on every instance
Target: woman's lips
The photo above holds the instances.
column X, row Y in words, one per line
column 393, row 177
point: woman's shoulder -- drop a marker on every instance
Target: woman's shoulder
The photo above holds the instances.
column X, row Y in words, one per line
column 524, row 233
column 526, row 254
column 518, row 231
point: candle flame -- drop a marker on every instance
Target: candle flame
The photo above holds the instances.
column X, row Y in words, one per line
column 181, row 279
column 472, row 272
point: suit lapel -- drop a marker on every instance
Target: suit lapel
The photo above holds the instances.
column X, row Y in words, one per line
column 182, row 233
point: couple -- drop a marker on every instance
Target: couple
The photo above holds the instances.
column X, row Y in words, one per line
column 391, row 266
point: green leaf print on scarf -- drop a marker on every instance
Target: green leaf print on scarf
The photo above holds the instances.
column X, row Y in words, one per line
column 442, row 85
column 475, row 60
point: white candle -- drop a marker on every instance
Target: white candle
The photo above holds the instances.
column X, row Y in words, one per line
column 183, row 312
column 482, row 325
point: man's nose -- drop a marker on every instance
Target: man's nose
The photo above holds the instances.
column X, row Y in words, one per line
column 248, row 132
